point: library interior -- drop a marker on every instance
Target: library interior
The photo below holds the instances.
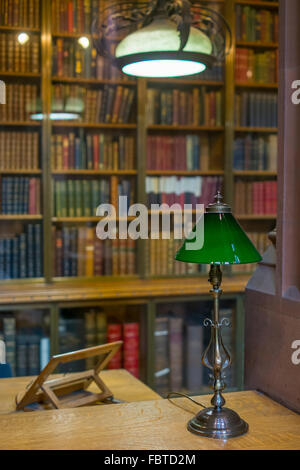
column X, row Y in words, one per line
column 124, row 128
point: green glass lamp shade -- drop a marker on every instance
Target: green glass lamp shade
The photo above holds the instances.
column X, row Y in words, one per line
column 153, row 51
column 224, row 242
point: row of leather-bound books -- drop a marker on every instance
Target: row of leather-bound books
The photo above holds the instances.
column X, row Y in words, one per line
column 79, row 252
column 19, row 58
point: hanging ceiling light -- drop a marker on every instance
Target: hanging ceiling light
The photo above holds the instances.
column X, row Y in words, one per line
column 162, row 38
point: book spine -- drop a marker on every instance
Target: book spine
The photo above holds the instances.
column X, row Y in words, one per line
column 114, row 333
column 131, row 348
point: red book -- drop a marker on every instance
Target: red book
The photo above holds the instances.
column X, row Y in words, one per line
column 131, row 348
column 254, row 198
column 159, row 145
column 274, row 197
column 59, row 54
column 149, row 152
column 96, row 151
column 58, row 253
column 98, row 257
column 268, row 197
column 182, row 153
column 70, row 17
column 262, row 197
column 81, row 16
column 170, row 154
column 114, row 333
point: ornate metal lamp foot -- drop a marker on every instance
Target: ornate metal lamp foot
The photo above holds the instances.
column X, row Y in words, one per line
column 221, row 423
column 217, row 422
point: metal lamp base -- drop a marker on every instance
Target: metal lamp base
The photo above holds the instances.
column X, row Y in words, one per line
column 216, row 423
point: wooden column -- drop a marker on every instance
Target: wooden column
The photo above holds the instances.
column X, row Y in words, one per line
column 273, row 293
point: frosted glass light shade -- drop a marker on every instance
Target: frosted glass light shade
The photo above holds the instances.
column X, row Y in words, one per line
column 163, row 68
column 153, row 51
column 162, row 35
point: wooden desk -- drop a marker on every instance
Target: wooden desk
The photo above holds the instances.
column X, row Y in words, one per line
column 157, row 424
column 123, row 385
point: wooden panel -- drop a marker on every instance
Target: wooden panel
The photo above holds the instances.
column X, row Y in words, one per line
column 158, row 424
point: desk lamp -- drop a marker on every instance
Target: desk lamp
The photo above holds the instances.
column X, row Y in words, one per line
column 224, row 242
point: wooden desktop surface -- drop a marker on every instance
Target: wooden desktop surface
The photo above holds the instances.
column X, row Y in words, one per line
column 122, row 384
column 156, row 424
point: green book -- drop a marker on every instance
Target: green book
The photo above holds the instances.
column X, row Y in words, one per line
column 87, row 62
column 63, row 196
column 57, row 196
column 78, row 198
column 95, row 202
column 71, row 197
column 86, row 198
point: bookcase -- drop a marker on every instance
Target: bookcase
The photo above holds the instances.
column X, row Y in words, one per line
column 149, row 139
column 255, row 125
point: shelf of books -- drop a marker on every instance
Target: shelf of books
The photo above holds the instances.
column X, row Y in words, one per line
column 255, row 139
column 93, row 156
column 82, row 327
column 180, row 339
column 21, row 244
column 184, row 154
column 26, row 332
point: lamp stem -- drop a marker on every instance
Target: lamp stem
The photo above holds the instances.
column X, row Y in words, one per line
column 216, row 357
column 217, row 421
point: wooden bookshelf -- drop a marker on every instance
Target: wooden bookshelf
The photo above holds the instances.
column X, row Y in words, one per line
column 262, row 173
column 257, row 44
column 20, row 123
column 20, row 74
column 80, row 220
column 21, row 217
column 258, row 3
column 187, row 82
column 15, row 140
column 95, row 125
column 140, row 129
column 93, row 81
column 20, row 172
column 256, row 216
column 184, row 172
column 262, row 130
column 94, row 172
column 259, row 221
column 57, row 293
column 261, row 86
column 19, row 29
column 184, row 128
column 38, row 292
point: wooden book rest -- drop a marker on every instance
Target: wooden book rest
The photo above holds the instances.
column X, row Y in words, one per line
column 70, row 390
